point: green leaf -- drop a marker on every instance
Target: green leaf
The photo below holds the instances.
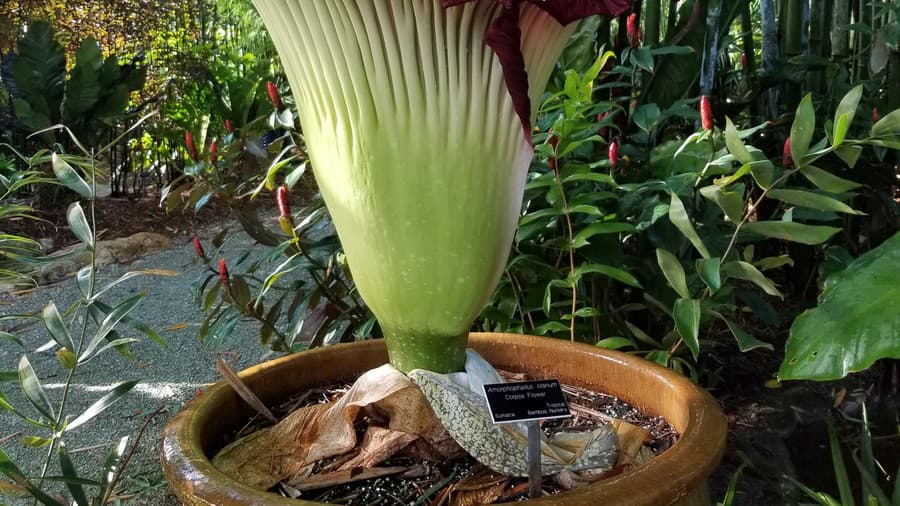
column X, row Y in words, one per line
column 747, row 272
column 68, row 471
column 616, row 343
column 708, row 269
column 887, row 127
column 769, row 263
column 606, row 270
column 101, row 404
column 846, row 109
column 66, row 358
column 8, row 468
column 849, row 154
column 687, row 322
column 6, row 336
column 735, row 145
column 84, row 281
column 79, row 224
column 812, row 201
column 646, row 116
column 34, row 391
column 790, row 231
column 113, row 458
column 108, row 324
column 855, row 323
column 69, row 177
column 591, row 176
column 678, row 216
column 745, row 341
column 643, row 58
column 826, row 181
column 57, row 327
column 673, row 271
column 802, row 128
column 730, row 203
column 581, row 238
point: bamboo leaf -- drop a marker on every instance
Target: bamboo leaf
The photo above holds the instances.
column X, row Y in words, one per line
column 581, row 238
column 790, row 231
column 708, row 269
column 673, row 271
column 747, row 272
column 102, row 404
column 112, row 319
column 8, row 468
column 616, row 343
column 846, row 109
column 687, row 322
column 812, row 201
column 802, row 128
column 34, row 391
column 745, row 341
column 606, row 270
column 679, row 217
column 735, row 145
column 79, row 224
column 826, row 181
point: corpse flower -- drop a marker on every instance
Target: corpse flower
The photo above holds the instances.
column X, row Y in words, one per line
column 417, row 118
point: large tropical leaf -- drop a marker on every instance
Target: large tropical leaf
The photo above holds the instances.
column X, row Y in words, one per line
column 40, row 76
column 856, row 322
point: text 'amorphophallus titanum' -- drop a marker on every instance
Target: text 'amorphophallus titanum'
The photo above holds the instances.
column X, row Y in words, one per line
column 417, row 117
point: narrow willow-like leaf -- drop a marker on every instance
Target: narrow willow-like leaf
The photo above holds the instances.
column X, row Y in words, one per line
column 606, row 270
column 79, row 224
column 69, row 177
column 102, row 404
column 34, row 391
column 846, row 109
column 12, row 471
column 57, row 327
column 747, row 272
column 67, row 467
column 827, row 181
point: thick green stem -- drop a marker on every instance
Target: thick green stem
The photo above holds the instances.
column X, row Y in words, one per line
column 438, row 353
column 651, row 22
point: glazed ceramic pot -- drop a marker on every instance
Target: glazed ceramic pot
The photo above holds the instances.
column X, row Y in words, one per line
column 677, row 476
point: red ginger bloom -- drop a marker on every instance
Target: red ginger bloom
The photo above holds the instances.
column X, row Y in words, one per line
column 223, row 273
column 274, row 96
column 604, row 131
column 744, row 61
column 229, row 128
column 198, row 247
column 281, row 198
column 613, row 153
column 706, row 115
column 874, row 115
column 191, row 147
column 213, row 150
column 634, row 33
column 786, row 159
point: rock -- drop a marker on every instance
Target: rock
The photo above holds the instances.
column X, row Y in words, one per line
column 114, row 251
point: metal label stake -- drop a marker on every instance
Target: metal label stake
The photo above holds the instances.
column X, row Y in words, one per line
column 534, row 459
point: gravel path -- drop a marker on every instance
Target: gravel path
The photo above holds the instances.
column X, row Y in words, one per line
column 168, row 376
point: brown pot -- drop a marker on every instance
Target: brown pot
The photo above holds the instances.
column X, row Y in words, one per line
column 677, row 476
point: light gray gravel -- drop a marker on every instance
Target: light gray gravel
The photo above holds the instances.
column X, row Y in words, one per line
column 168, row 376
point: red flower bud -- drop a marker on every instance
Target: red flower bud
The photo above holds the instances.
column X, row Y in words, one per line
column 229, row 128
column 786, row 159
column 213, row 149
column 613, row 153
column 198, row 247
column 189, row 143
column 553, row 140
column 551, row 163
column 274, row 96
column 631, row 28
column 281, row 198
column 874, row 115
column 223, row 273
column 744, row 60
column 706, row 115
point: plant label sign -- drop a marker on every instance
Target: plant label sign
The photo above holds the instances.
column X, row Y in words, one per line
column 526, row 400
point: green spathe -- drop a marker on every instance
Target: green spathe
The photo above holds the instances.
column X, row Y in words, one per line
column 417, row 151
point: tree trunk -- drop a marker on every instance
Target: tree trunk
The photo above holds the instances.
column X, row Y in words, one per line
column 769, row 50
column 651, row 22
column 793, row 44
column 817, row 25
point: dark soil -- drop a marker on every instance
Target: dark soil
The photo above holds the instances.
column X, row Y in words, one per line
column 427, row 483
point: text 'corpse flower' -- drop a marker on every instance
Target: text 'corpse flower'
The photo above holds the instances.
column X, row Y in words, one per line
column 417, row 116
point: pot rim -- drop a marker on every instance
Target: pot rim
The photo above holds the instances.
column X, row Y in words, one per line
column 673, row 474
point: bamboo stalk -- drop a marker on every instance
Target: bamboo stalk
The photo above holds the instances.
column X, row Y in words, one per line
column 710, row 47
column 864, row 51
column 840, row 40
column 651, row 22
column 816, row 42
column 769, row 50
column 672, row 19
